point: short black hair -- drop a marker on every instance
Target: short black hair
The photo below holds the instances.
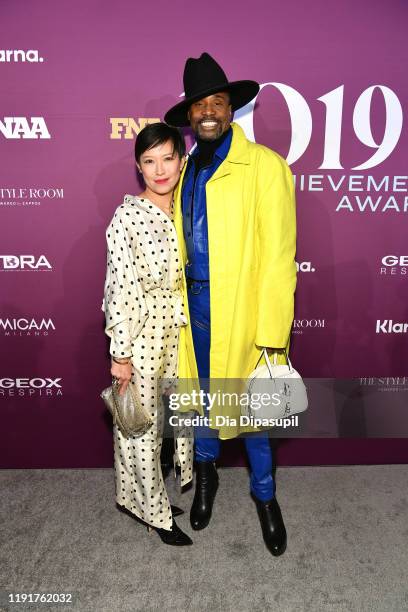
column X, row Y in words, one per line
column 155, row 134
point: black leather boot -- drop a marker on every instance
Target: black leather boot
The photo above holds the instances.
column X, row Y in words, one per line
column 174, row 536
column 273, row 527
column 206, row 488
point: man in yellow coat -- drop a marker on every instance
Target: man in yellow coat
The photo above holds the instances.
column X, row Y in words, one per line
column 235, row 218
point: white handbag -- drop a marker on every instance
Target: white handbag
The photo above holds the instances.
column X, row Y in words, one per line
column 283, row 390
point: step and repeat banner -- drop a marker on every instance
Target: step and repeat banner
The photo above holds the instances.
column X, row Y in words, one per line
column 78, row 80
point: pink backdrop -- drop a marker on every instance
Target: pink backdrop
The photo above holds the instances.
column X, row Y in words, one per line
column 333, row 102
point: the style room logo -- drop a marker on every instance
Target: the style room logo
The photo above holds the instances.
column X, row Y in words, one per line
column 18, row 55
column 302, row 325
column 26, row 327
column 30, row 387
column 394, row 265
column 29, row 196
column 389, row 383
column 24, row 263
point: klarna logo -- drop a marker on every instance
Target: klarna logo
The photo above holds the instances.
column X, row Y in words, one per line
column 27, row 263
column 389, row 327
column 305, row 266
column 18, row 55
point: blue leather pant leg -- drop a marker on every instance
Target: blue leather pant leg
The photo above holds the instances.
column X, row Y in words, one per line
column 207, row 445
column 260, row 461
column 208, row 448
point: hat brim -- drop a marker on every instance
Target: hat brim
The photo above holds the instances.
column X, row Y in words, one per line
column 241, row 92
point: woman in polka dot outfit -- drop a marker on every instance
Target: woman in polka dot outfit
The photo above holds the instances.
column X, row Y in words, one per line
column 144, row 311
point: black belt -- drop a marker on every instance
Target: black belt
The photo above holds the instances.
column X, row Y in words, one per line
column 193, row 281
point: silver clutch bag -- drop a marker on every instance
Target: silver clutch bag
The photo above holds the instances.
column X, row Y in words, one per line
column 127, row 410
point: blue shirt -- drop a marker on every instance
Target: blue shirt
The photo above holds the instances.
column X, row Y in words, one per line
column 194, row 207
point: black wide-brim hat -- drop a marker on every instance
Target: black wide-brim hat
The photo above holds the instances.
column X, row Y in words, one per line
column 204, row 77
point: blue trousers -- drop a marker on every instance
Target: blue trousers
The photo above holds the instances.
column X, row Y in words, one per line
column 207, row 447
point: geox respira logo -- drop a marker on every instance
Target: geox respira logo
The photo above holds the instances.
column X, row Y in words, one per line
column 26, row 327
column 389, row 327
column 18, row 55
column 394, row 265
column 9, row 263
column 128, row 127
column 305, row 266
column 21, row 127
column 30, row 386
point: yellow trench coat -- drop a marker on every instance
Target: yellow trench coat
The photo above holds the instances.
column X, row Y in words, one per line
column 252, row 241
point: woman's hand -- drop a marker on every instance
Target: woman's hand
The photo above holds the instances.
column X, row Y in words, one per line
column 123, row 374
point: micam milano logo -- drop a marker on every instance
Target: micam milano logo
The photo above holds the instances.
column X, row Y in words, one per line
column 18, row 55
column 20, row 127
column 27, row 387
column 127, row 127
column 394, row 265
column 26, row 263
column 26, row 327
column 389, row 327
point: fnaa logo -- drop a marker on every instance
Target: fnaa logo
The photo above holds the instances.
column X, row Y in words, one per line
column 18, row 55
column 27, row 263
column 14, row 128
column 127, row 127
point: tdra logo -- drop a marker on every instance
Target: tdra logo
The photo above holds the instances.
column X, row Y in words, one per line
column 26, row 327
column 33, row 128
column 29, row 387
column 394, row 265
column 26, row 263
column 18, row 55
column 127, row 127
column 389, row 327
column 305, row 266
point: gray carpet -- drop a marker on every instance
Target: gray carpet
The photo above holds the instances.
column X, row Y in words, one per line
column 347, row 545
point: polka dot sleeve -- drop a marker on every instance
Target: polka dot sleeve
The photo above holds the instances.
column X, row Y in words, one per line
column 124, row 303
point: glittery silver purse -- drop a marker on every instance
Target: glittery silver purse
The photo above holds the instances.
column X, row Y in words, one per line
column 127, row 410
